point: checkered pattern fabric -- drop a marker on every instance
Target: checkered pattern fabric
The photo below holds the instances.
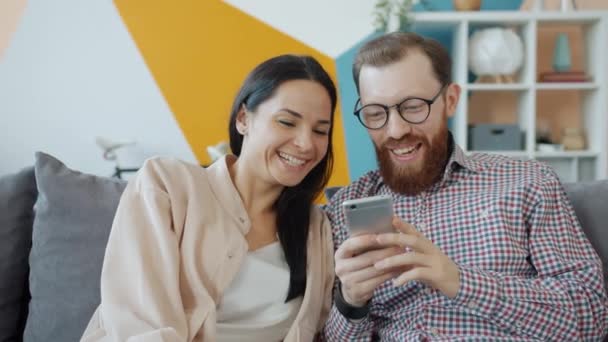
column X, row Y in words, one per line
column 527, row 271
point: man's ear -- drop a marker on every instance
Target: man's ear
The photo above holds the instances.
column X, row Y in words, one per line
column 242, row 121
column 452, row 95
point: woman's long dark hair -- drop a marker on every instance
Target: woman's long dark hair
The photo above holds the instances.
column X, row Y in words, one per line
column 293, row 206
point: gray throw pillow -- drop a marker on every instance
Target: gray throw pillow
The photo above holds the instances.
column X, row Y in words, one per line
column 74, row 214
column 17, row 197
column 589, row 201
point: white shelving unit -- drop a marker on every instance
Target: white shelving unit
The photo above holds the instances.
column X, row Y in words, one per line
column 588, row 164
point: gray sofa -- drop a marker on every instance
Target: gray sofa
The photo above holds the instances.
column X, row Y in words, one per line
column 54, row 225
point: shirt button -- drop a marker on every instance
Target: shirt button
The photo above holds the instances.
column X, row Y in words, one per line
column 472, row 305
column 230, row 255
column 242, row 220
column 484, row 213
column 434, row 331
column 422, row 226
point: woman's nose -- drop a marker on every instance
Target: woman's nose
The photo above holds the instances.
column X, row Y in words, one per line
column 304, row 140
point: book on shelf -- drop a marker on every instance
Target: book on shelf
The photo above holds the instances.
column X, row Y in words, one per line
column 564, row 76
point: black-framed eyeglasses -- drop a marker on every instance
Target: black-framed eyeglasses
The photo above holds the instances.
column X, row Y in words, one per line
column 414, row 110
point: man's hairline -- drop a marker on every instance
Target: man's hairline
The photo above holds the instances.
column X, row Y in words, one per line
column 403, row 57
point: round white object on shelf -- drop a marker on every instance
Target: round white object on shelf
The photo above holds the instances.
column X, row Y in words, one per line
column 495, row 51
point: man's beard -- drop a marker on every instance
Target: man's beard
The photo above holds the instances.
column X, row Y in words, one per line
column 406, row 180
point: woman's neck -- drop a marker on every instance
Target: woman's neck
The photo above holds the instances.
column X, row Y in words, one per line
column 258, row 197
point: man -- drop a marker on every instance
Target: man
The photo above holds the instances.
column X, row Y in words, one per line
column 487, row 247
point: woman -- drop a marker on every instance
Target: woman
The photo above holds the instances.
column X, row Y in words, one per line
column 236, row 251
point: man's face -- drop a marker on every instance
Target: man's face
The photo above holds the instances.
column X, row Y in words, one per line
column 411, row 157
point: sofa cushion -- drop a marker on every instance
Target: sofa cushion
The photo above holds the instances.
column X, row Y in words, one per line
column 74, row 214
column 589, row 201
column 17, row 197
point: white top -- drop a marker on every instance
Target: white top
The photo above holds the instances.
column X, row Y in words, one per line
column 253, row 307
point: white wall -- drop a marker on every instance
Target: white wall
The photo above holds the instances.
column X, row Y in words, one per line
column 331, row 27
column 70, row 73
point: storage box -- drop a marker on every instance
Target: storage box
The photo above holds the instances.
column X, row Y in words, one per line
column 495, row 137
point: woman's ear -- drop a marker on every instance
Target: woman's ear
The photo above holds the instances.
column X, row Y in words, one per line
column 242, row 121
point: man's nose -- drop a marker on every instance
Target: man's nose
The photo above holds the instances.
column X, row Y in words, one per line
column 396, row 127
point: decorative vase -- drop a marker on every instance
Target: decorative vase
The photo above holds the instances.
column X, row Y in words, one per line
column 467, row 5
column 561, row 54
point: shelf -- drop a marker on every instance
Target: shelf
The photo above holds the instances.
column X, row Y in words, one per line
column 535, row 106
column 565, row 154
column 571, row 17
column 498, row 86
column 507, row 17
column 566, row 86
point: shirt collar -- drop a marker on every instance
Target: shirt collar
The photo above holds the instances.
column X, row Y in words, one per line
column 226, row 193
column 459, row 159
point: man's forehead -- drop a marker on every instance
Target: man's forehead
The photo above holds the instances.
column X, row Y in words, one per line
column 411, row 76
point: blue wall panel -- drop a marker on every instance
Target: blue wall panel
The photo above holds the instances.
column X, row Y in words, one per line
column 360, row 152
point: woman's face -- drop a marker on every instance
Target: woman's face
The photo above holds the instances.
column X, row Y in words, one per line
column 288, row 134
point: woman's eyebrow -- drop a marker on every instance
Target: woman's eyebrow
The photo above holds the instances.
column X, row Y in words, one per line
column 300, row 116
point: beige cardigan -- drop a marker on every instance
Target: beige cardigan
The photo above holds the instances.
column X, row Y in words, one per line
column 176, row 243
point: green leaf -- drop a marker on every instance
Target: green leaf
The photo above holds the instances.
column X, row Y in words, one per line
column 385, row 9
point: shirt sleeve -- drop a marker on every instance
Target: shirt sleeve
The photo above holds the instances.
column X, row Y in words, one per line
column 140, row 290
column 565, row 300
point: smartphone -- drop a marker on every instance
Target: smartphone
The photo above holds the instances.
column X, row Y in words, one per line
column 369, row 215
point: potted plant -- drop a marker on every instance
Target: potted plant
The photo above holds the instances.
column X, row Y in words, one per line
column 386, row 12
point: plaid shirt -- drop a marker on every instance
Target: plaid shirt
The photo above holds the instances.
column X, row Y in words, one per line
column 527, row 271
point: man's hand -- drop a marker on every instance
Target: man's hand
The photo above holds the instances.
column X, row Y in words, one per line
column 423, row 261
column 355, row 260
